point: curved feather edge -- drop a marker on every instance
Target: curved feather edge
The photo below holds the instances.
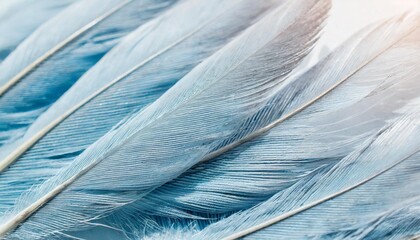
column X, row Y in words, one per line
column 19, row 18
column 87, row 13
column 255, row 39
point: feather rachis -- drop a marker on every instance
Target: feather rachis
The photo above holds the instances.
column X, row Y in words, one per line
column 18, row 19
column 264, row 129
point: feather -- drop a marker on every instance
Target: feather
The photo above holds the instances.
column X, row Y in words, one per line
column 336, row 202
column 94, row 191
column 19, row 18
column 147, row 55
column 256, row 170
column 321, row 134
column 32, row 78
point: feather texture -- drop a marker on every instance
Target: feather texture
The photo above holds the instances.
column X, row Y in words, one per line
column 329, row 203
column 19, row 18
column 149, row 63
column 260, row 168
column 316, row 137
column 321, row 134
column 247, row 69
column 32, row 78
column 383, row 152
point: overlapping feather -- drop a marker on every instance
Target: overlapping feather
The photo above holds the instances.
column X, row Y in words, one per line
column 49, row 61
column 252, row 63
column 241, row 146
column 134, row 74
column 372, row 206
column 314, row 138
column 355, row 198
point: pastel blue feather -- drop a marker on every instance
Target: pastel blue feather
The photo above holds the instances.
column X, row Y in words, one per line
column 321, row 134
column 130, row 160
column 23, row 102
column 316, row 137
column 217, row 25
column 355, row 199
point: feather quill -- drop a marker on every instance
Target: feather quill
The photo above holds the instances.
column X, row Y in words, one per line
column 49, row 61
column 19, row 18
column 246, row 67
column 150, row 61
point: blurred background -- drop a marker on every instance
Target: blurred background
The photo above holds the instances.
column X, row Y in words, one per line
column 348, row 16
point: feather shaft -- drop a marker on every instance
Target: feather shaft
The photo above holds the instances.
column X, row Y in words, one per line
column 266, row 128
column 289, row 214
column 19, row 18
column 4, row 88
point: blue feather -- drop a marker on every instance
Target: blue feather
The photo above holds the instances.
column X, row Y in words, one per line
column 316, row 137
column 149, row 62
column 19, row 18
column 368, row 187
column 320, row 134
column 240, row 77
column 49, row 61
